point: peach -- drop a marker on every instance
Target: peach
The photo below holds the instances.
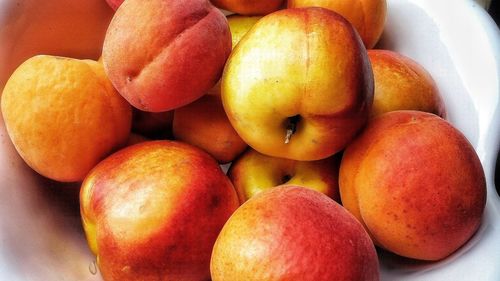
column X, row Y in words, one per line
column 298, row 85
column 402, row 84
column 293, row 233
column 204, row 123
column 240, row 25
column 253, row 172
column 249, row 7
column 64, row 116
column 152, row 211
column 416, row 184
column 367, row 16
column 170, row 56
column 30, row 29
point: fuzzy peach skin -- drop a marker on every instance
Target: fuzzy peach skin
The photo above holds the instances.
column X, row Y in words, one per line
column 64, row 116
column 401, row 83
column 152, row 211
column 163, row 54
column 367, row 16
column 303, row 71
column 416, row 184
column 253, row 172
column 249, row 7
column 35, row 29
column 293, row 233
column 204, row 123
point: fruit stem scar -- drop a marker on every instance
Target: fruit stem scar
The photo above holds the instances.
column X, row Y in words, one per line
column 291, row 127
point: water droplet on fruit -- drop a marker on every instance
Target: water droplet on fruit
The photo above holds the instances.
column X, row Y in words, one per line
column 93, row 267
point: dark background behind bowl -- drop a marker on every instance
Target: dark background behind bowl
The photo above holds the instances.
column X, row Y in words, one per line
column 494, row 11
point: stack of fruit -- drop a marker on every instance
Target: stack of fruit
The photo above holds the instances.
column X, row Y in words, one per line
column 333, row 148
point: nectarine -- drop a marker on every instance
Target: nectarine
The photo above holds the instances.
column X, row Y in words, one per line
column 152, row 211
column 253, row 172
column 299, row 84
column 293, row 233
column 402, row 84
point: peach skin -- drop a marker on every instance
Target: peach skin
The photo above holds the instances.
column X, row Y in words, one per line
column 64, row 116
column 402, row 84
column 161, row 55
column 416, row 184
column 367, row 16
column 293, row 233
column 302, row 103
column 152, row 211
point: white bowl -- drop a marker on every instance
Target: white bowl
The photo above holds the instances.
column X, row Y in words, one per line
column 455, row 40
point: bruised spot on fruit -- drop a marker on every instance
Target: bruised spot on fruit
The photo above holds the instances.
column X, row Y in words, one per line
column 291, row 126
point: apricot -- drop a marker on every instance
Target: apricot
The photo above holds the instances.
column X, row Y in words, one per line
column 204, row 123
column 402, row 84
column 416, row 184
column 73, row 29
column 249, row 7
column 64, row 116
column 161, row 55
column 367, row 16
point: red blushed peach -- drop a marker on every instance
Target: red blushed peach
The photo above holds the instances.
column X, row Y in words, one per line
column 402, row 84
column 204, row 123
column 152, row 211
column 416, row 184
column 161, row 54
column 249, row 7
column 293, row 233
